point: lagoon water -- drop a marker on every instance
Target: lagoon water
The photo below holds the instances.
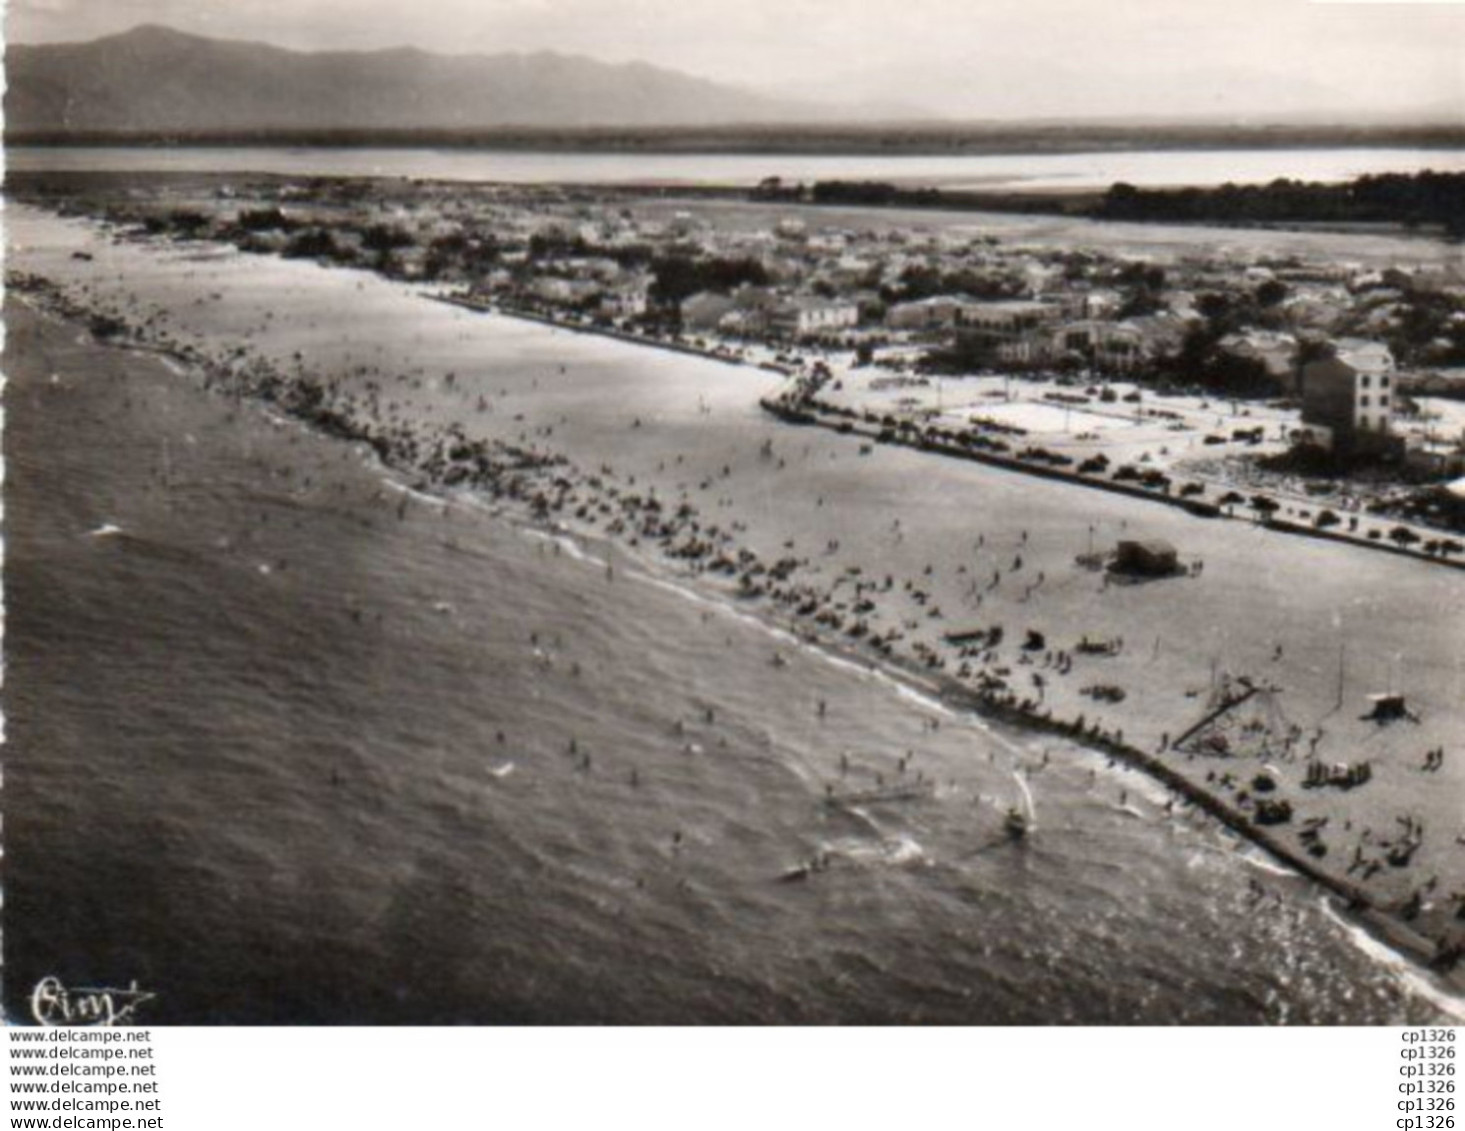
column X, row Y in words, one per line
column 289, row 743
column 1018, row 172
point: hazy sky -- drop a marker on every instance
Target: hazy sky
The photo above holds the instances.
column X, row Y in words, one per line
column 961, row 58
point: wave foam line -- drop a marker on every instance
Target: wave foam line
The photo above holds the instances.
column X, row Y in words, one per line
column 413, row 493
column 1419, row 983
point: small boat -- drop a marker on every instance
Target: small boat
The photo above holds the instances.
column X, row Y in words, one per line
column 818, row 863
column 1021, row 821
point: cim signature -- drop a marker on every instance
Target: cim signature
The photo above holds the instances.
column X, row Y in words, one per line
column 54, row 1004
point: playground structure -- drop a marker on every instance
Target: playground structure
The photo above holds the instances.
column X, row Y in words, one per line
column 1242, row 720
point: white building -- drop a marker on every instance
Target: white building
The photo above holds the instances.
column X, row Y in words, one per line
column 940, row 312
column 1109, row 345
column 1348, row 399
column 1015, row 331
column 812, row 317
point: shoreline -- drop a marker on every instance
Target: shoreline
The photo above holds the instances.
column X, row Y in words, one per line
column 1361, row 907
column 1357, row 904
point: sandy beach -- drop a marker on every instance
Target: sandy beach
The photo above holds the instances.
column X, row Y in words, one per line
column 882, row 551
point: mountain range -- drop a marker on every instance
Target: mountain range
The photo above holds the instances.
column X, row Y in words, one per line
column 153, row 79
column 156, row 83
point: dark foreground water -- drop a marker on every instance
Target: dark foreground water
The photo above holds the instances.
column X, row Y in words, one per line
column 288, row 744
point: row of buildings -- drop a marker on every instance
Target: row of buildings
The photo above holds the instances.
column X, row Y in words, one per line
column 990, row 304
column 1018, row 332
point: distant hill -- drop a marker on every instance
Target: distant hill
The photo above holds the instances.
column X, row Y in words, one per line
column 156, row 80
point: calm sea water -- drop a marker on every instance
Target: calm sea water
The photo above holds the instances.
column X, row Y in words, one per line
column 1041, row 171
column 289, row 743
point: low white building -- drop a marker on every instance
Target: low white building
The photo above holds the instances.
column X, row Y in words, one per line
column 940, row 312
column 628, row 300
column 813, row 317
column 1010, row 316
column 1109, row 345
column 565, row 292
column 703, row 310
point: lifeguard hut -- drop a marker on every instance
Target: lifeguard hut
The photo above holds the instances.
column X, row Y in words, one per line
column 1387, row 707
column 1149, row 557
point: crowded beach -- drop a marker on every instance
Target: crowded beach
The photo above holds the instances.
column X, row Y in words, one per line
column 1162, row 635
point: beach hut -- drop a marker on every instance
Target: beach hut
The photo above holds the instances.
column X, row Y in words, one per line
column 1387, row 707
column 1153, row 557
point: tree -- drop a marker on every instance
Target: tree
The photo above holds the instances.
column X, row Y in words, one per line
column 677, row 277
column 1140, row 301
column 187, row 223
column 265, row 220
column 1270, row 293
column 1265, row 507
column 1314, row 349
column 382, row 238
column 1122, row 201
column 313, row 244
column 1219, row 310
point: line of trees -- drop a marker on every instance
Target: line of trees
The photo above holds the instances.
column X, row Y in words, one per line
column 867, row 193
column 678, row 277
column 1413, row 199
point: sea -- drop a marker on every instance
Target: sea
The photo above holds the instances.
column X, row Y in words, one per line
column 292, row 740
